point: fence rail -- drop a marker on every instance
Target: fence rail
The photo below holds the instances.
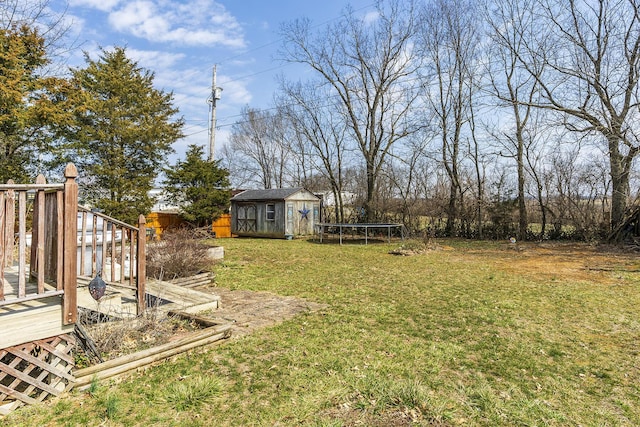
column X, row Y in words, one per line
column 53, row 235
column 113, row 249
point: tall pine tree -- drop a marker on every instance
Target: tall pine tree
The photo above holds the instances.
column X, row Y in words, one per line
column 121, row 135
column 199, row 187
column 29, row 103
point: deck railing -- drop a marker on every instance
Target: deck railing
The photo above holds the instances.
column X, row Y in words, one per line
column 66, row 241
column 111, row 248
column 53, row 240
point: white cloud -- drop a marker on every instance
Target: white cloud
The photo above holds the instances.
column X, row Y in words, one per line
column 371, row 17
column 103, row 5
column 179, row 28
column 196, row 22
column 236, row 93
column 192, row 88
column 133, row 16
column 153, row 59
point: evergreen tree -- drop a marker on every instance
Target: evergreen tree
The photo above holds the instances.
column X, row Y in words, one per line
column 29, row 103
column 199, row 187
column 121, row 134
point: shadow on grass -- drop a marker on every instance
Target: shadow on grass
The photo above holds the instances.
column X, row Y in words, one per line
column 349, row 241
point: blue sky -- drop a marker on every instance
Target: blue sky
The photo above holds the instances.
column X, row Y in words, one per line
column 180, row 41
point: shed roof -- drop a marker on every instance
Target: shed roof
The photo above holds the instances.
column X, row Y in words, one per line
column 272, row 194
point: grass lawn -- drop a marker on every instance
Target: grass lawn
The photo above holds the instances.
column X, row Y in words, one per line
column 476, row 333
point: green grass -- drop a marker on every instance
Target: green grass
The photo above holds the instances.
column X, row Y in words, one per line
column 191, row 393
column 462, row 336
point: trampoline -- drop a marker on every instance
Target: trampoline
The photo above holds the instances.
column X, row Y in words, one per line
column 328, row 228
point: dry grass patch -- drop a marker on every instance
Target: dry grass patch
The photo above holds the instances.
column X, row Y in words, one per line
column 562, row 261
column 416, row 247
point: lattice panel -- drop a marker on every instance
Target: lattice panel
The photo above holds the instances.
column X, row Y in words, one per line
column 30, row 372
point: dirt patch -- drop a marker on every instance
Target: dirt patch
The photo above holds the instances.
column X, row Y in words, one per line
column 416, row 247
column 249, row 310
column 572, row 261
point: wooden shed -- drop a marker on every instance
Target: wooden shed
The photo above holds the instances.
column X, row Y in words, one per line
column 277, row 213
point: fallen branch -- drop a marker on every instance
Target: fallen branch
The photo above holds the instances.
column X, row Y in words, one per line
column 202, row 321
column 196, row 276
column 196, row 284
column 615, row 269
column 87, row 342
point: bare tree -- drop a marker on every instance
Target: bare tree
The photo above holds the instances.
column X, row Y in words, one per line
column 540, row 141
column 590, row 51
column 450, row 39
column 321, row 133
column 478, row 157
column 368, row 66
column 258, row 138
column 405, row 177
column 239, row 176
column 578, row 187
column 510, row 27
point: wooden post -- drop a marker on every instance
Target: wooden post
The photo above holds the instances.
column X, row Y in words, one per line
column 8, row 206
column 83, row 244
column 123, row 235
column 10, row 224
column 22, row 243
column 59, row 239
column 70, row 279
column 113, row 252
column 104, row 246
column 141, row 264
column 2, row 246
column 41, row 230
column 132, row 255
column 94, row 246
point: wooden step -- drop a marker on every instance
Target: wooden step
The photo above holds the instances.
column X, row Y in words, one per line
column 178, row 294
column 110, row 303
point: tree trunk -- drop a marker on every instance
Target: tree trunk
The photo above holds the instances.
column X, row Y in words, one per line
column 619, row 183
column 371, row 188
column 543, row 209
column 523, row 222
column 452, row 210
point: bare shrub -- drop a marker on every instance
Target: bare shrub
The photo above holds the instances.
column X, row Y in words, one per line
column 115, row 337
column 179, row 254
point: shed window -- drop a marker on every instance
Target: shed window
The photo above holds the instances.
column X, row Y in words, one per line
column 271, row 212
